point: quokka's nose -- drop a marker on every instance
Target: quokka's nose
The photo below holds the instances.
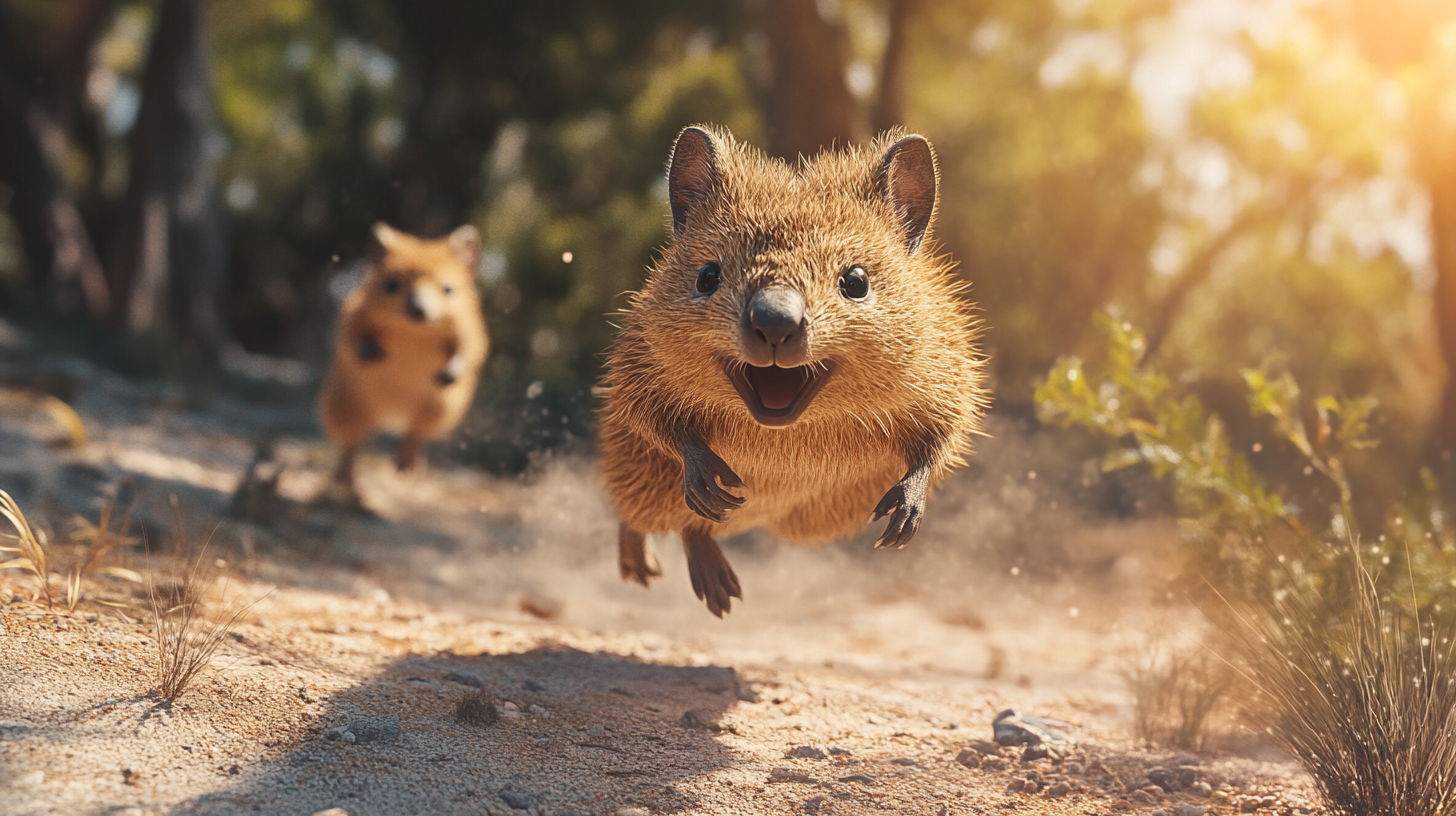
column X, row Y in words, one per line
column 776, row 314
column 415, row 308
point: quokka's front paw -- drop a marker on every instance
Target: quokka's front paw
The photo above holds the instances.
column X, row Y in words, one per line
column 702, row 472
column 907, row 501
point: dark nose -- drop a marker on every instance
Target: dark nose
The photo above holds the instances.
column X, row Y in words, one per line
column 774, row 327
column 414, row 308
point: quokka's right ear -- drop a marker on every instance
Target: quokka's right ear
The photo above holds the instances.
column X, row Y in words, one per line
column 692, row 173
column 382, row 238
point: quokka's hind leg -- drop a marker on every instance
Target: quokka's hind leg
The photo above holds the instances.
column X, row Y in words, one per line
column 635, row 558
column 713, row 578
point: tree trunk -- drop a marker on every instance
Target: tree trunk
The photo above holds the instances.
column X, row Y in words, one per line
column 890, row 105
column 64, row 267
column 168, row 258
column 807, row 104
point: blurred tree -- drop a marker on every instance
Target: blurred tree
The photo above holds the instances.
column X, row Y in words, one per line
column 806, row 104
column 64, row 265
column 168, row 259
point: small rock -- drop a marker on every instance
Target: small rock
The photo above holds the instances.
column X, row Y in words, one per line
column 348, row 736
column 532, row 684
column 857, row 779
column 835, row 750
column 597, row 731
column 814, row 803
column 1058, row 790
column 1186, row 777
column 1201, row 788
column 540, row 712
column 700, row 719
column 1142, row 797
column 1034, row 752
column 1016, row 785
column 373, row 729
column 806, row 752
column 782, row 774
column 1160, row 812
column 510, row 706
column 1184, row 759
column 1189, row 810
column 516, row 799
column 465, row 679
column 1163, row 778
column 994, row 763
column 969, row 758
column 983, row 747
column 905, row 761
column 234, row 770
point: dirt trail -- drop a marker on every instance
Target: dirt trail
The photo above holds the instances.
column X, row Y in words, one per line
column 622, row 701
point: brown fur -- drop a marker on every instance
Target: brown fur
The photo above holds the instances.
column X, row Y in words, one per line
column 906, row 392
column 412, row 374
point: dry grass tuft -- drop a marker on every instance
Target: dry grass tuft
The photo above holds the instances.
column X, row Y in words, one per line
column 477, row 708
column 1365, row 698
column 31, row 549
column 187, row 636
column 1175, row 693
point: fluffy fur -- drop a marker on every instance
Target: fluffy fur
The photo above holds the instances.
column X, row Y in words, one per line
column 410, row 344
column 906, row 392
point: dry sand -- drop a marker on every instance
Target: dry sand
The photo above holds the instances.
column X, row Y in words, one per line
column 618, row 700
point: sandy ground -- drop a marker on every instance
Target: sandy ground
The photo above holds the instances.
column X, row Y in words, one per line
column 877, row 668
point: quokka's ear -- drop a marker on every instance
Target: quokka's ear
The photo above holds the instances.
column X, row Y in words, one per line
column 465, row 242
column 692, row 173
column 908, row 179
column 382, row 238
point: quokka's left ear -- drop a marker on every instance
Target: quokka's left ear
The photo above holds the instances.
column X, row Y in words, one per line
column 465, row 241
column 909, row 180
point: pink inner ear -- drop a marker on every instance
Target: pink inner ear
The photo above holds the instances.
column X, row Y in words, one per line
column 691, row 176
column 910, row 185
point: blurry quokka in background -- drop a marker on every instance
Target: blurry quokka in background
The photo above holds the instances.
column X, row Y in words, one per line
column 410, row 344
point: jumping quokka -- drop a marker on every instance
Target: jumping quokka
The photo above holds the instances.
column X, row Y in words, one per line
column 799, row 342
column 410, row 344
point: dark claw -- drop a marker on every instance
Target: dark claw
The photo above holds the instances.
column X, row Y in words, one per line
column 714, row 581
column 702, row 472
column 445, row 378
column 907, row 501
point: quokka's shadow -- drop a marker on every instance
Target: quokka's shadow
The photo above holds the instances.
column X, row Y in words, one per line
column 590, row 733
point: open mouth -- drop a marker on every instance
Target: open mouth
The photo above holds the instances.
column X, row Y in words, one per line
column 777, row 396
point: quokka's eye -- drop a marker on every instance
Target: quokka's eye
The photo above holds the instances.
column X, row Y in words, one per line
column 854, row 284
column 448, row 289
column 391, row 285
column 708, row 279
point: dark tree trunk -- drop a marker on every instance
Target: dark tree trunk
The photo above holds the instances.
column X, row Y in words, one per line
column 807, row 103
column 1440, row 181
column 890, row 105
column 63, row 263
column 168, row 258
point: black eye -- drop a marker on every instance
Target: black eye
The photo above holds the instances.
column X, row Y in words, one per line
column 854, row 283
column 391, row 285
column 448, row 289
column 708, row 279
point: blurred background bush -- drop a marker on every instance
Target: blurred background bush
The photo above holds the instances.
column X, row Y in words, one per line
column 189, row 183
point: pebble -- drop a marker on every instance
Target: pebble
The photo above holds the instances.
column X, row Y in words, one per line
column 1201, row 788
column 517, row 800
column 983, row 747
column 969, row 758
column 835, row 750
column 782, row 774
column 540, row 712
column 806, row 752
column 814, row 803
column 700, row 719
column 1010, row 729
column 372, row 729
column 1163, row 778
column 597, row 731
column 532, row 684
column 906, row 761
column 1184, row 759
column 465, row 679
column 1058, row 790
column 1142, row 797
column 858, row 779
